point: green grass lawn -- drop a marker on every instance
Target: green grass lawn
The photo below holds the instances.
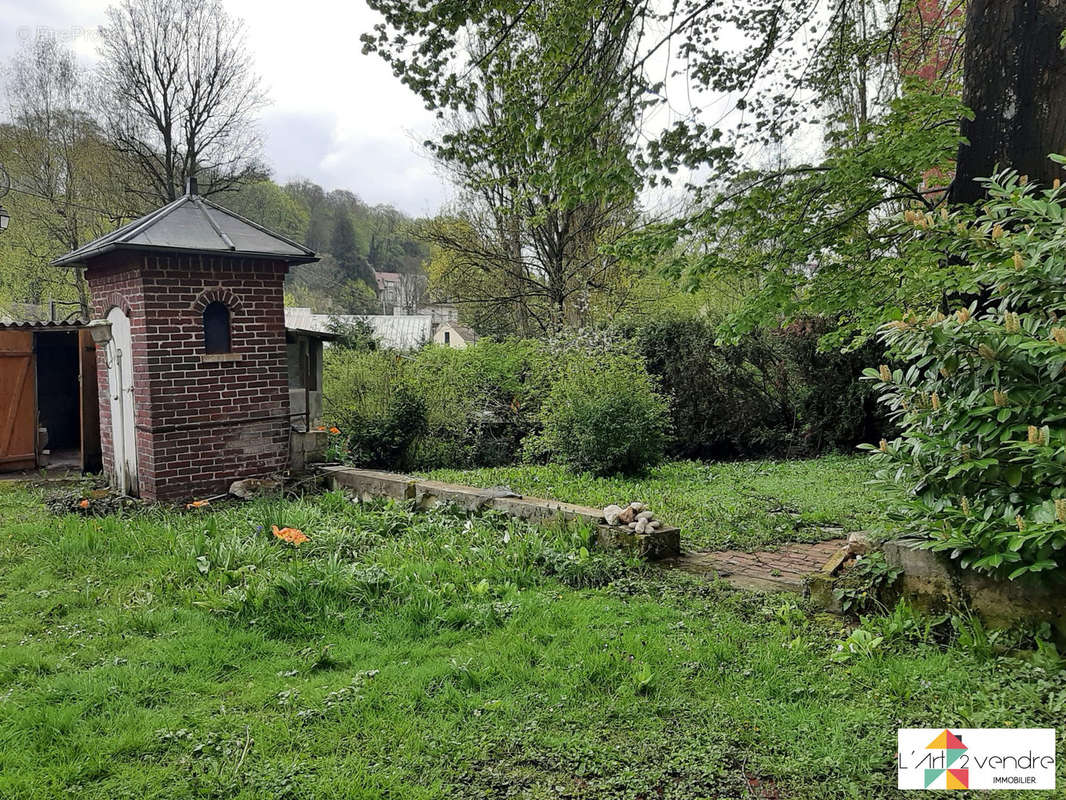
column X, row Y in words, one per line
column 402, row 655
column 744, row 504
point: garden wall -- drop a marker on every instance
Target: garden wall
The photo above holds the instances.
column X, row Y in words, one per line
column 934, row 581
column 367, row 484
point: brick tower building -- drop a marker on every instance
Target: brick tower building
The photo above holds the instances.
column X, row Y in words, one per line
column 192, row 358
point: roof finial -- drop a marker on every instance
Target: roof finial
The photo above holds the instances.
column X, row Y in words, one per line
column 191, row 186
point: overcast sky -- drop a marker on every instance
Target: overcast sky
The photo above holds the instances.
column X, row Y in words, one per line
column 336, row 116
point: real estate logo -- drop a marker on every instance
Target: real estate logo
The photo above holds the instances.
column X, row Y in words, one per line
column 953, row 749
column 976, row 758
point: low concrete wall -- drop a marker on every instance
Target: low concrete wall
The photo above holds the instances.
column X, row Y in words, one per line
column 660, row 543
column 934, row 581
column 367, row 484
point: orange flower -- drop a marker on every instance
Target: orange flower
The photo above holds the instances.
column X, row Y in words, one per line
column 197, row 504
column 334, row 430
column 83, row 504
column 320, row 428
column 293, row 536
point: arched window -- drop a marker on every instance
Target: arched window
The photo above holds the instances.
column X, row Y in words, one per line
column 216, row 328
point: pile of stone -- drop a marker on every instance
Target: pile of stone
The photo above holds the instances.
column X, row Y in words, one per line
column 635, row 516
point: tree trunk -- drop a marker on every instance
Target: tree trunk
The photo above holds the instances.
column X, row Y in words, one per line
column 1015, row 83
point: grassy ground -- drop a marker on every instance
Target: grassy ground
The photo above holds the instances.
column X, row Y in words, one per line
column 746, row 504
column 192, row 655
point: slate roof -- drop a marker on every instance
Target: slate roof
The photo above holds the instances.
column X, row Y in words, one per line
column 193, row 224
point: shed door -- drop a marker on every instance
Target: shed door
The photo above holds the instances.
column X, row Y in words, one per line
column 18, row 402
column 120, row 387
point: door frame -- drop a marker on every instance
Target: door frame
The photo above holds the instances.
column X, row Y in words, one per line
column 119, row 359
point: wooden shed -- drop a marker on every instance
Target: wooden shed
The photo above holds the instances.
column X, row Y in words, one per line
column 49, row 412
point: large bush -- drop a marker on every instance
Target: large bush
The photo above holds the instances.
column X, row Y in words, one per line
column 469, row 407
column 776, row 393
column 982, row 396
column 601, row 414
column 834, row 409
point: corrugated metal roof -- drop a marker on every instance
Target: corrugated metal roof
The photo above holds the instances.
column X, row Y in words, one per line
column 298, row 321
column 40, row 316
column 68, row 325
column 193, row 224
column 298, row 317
column 398, row 332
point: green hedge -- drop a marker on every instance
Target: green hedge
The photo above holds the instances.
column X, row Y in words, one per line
column 774, row 394
column 495, row 402
column 605, row 401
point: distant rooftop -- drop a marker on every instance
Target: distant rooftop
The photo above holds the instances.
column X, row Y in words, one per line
column 394, row 331
column 193, row 224
column 467, row 333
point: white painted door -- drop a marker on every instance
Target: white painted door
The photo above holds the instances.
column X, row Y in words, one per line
column 120, row 386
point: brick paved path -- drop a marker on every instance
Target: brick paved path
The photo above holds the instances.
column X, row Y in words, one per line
column 778, row 570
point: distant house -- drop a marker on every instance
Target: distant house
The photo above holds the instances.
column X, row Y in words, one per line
column 454, row 335
column 400, row 292
column 440, row 312
column 390, row 288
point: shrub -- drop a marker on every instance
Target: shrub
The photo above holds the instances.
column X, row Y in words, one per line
column 475, row 405
column 384, row 439
column 355, row 335
column 358, row 381
column 982, row 396
column 602, row 415
column 834, row 408
column 480, row 401
column 368, row 397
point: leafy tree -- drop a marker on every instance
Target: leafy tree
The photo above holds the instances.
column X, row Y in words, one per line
column 824, row 240
column 64, row 174
column 820, row 238
column 394, row 244
column 344, row 247
column 269, row 205
column 877, row 87
column 356, row 335
column 354, row 240
column 541, row 129
column 312, row 197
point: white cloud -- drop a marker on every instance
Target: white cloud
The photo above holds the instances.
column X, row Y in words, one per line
column 336, row 116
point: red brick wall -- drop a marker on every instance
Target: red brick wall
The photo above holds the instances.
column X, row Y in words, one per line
column 199, row 424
